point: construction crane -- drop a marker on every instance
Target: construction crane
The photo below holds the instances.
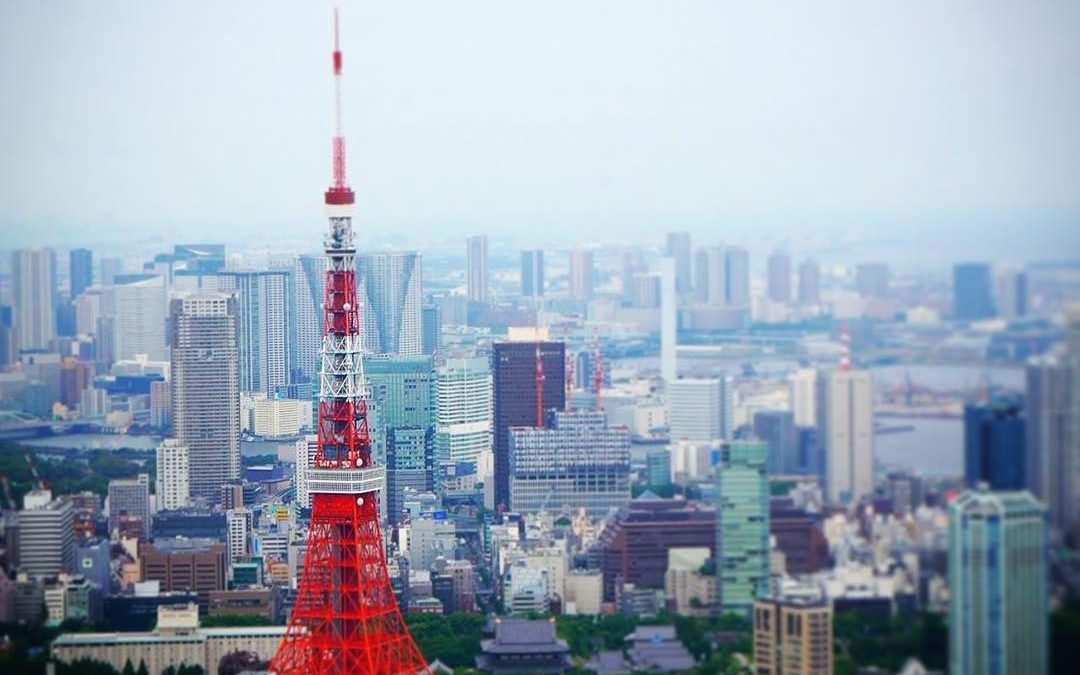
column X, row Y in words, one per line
column 7, row 491
column 34, row 472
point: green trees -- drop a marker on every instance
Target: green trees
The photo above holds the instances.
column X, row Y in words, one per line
column 453, row 639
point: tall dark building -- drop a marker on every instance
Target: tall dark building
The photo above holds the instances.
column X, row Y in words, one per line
column 779, row 277
column 532, row 273
column 513, row 366
column 80, row 270
column 430, row 329
column 972, row 292
column 994, row 445
column 777, row 429
column 809, row 283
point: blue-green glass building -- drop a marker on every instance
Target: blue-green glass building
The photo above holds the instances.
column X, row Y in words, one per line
column 998, row 607
column 742, row 526
column 401, row 411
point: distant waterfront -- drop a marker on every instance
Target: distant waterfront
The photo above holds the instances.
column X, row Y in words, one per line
column 95, row 441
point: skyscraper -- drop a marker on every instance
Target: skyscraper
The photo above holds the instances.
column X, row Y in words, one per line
column 476, row 249
column 777, row 429
column 738, row 275
column 46, row 534
column 581, row 273
column 679, row 247
column 804, row 397
column 514, row 377
column 1053, row 437
column 173, row 475
column 578, row 461
column 532, row 273
column 464, row 404
column 998, row 585
column 669, row 316
column 809, row 283
column 309, row 281
column 33, row 278
column 206, row 388
column 972, row 292
column 138, row 311
column 994, row 451
column 1011, row 292
column 264, row 303
column 430, row 329
column 403, row 424
column 130, row 497
column 391, row 295
column 742, row 526
column 846, row 432
column 872, row 279
column 700, row 409
column 710, row 275
column 80, row 270
column 780, row 277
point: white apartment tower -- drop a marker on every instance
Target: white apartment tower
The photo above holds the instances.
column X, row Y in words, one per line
column 477, row 268
column 173, row 467
column 846, row 432
column 33, row 278
column 804, row 397
column 264, row 318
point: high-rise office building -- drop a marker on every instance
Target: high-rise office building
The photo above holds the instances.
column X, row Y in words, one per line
column 33, row 280
column 1053, row 437
column 742, row 526
column 793, row 635
column 476, row 268
column 264, row 314
column 809, row 283
column 679, row 247
column 309, row 282
column 80, row 270
column 403, row 424
column 737, row 264
column 110, row 268
column 846, row 432
column 669, row 317
column 464, row 405
column 998, row 584
column 431, row 329
column 710, row 275
column 581, row 273
column 130, row 498
column 139, row 303
column 700, row 409
column 994, row 445
column 577, row 461
column 513, row 369
column 779, row 277
column 804, row 397
column 173, row 483
column 972, row 292
column 777, row 429
column 872, row 279
column 532, row 273
column 238, row 530
column 206, row 388
column 46, row 534
column 306, row 447
column 389, row 288
column 1011, row 292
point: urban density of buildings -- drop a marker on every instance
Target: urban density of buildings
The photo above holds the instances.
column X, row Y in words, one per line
column 697, row 451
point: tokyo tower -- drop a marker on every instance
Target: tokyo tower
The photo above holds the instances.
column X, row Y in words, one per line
column 346, row 619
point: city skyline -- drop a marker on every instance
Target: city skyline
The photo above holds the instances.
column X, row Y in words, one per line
column 862, row 152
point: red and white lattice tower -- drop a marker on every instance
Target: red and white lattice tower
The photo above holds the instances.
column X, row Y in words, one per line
column 346, row 618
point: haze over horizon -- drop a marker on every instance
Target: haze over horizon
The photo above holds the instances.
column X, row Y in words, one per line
column 884, row 127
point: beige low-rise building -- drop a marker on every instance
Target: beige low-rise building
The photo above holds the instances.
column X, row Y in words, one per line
column 793, row 636
column 692, row 591
column 176, row 641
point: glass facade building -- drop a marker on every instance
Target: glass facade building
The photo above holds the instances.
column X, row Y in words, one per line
column 742, row 526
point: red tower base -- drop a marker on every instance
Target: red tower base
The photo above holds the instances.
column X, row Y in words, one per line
column 346, row 618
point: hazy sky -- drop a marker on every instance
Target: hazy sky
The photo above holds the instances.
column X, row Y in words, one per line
column 887, row 123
